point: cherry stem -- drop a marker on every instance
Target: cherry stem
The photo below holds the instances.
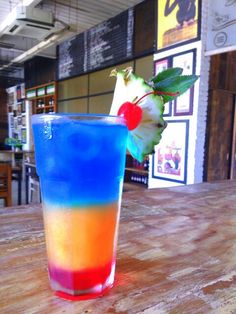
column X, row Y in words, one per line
column 156, row 93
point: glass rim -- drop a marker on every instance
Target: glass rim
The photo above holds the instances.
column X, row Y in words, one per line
column 77, row 116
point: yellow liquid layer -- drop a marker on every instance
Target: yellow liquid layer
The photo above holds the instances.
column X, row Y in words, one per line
column 81, row 238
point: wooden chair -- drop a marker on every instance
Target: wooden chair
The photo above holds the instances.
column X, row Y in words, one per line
column 6, row 183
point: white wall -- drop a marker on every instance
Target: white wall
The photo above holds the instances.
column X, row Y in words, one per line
column 197, row 121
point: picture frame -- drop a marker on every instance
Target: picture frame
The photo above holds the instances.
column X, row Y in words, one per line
column 168, row 109
column 19, row 109
column 178, row 23
column 221, row 27
column 183, row 105
column 11, row 120
column 159, row 66
column 23, row 135
column 23, row 107
column 19, row 120
column 169, row 161
column 23, row 120
column 15, row 123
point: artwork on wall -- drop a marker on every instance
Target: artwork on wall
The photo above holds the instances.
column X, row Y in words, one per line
column 221, row 26
column 168, row 109
column 23, row 120
column 11, row 120
column 161, row 65
column 183, row 105
column 178, row 22
column 170, row 158
column 15, row 123
column 23, row 136
column 19, row 121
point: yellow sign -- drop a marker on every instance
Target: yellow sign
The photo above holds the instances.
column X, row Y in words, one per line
column 177, row 21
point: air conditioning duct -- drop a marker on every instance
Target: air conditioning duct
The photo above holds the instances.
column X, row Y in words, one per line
column 28, row 22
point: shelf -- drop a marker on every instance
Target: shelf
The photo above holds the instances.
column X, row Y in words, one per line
column 47, row 97
column 41, row 97
column 137, row 170
column 44, row 107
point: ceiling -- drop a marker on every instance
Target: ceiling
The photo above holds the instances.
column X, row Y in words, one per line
column 71, row 17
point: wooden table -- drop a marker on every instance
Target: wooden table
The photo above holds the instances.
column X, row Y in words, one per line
column 176, row 254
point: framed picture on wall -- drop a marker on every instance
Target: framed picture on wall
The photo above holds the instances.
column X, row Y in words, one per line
column 23, row 135
column 178, row 22
column 183, row 105
column 11, row 120
column 15, row 124
column 168, row 109
column 23, row 120
column 159, row 66
column 170, row 158
column 19, row 120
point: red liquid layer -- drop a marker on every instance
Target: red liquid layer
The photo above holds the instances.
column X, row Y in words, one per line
column 74, row 285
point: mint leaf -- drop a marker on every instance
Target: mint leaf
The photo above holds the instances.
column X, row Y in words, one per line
column 171, row 72
column 176, row 84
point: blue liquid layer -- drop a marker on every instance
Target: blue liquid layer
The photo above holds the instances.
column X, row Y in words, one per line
column 79, row 163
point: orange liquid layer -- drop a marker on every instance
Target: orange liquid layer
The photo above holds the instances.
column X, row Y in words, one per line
column 81, row 238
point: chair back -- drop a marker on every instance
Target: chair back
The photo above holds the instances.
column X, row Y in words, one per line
column 6, row 183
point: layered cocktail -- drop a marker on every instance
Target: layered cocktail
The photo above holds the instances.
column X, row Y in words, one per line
column 80, row 161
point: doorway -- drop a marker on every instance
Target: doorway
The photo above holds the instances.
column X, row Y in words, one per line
column 220, row 147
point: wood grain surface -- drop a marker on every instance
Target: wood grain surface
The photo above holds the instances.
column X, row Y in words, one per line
column 176, row 254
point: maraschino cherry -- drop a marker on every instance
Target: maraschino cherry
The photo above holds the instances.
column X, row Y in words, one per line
column 133, row 113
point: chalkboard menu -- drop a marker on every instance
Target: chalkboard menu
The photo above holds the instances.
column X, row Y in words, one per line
column 71, row 57
column 107, row 43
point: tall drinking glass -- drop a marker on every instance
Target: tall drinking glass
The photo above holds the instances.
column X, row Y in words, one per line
column 80, row 161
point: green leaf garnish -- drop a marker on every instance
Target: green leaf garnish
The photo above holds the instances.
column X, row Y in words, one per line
column 176, row 84
column 171, row 80
column 171, row 72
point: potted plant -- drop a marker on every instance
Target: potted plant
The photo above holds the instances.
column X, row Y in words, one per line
column 15, row 143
